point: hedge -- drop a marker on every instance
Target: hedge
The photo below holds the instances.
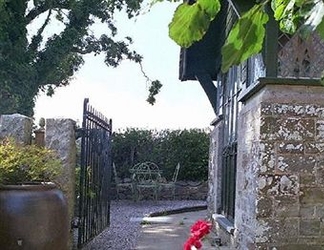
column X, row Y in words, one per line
column 166, row 148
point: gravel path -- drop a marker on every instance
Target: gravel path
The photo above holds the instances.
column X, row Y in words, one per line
column 124, row 229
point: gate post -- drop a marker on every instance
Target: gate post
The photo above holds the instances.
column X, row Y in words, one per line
column 280, row 167
column 60, row 136
column 16, row 126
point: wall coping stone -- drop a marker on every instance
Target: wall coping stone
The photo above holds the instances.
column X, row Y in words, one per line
column 263, row 81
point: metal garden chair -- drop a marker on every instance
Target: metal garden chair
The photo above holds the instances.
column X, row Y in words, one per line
column 172, row 184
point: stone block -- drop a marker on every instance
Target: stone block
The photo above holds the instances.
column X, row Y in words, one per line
column 264, row 207
column 266, row 109
column 319, row 174
column 291, row 148
column 295, row 129
column 16, row 126
column 307, row 179
column 314, row 147
column 312, row 195
column 319, row 211
column 266, row 157
column 284, row 110
column 268, row 127
column 310, row 227
column 313, row 110
column 295, row 163
column 278, row 185
column 320, row 130
column 286, row 206
column 282, row 230
column 307, row 212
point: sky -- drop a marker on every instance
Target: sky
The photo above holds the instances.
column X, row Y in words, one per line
column 120, row 93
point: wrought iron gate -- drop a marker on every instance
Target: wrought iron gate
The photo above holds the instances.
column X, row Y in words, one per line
column 95, row 176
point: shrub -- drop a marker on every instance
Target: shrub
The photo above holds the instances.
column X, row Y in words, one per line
column 27, row 163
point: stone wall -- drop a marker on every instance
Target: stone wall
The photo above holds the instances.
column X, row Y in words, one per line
column 280, row 171
column 185, row 190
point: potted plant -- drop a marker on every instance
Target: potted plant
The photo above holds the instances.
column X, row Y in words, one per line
column 33, row 210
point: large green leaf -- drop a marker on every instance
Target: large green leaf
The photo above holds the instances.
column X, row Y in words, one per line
column 210, row 7
column 190, row 22
column 245, row 38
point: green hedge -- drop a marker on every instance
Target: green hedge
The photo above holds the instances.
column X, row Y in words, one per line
column 166, row 148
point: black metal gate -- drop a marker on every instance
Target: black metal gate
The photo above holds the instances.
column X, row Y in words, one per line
column 95, row 176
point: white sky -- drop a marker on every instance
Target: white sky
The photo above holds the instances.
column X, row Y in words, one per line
column 120, row 93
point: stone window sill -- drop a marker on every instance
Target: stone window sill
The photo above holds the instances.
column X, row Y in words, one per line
column 224, row 223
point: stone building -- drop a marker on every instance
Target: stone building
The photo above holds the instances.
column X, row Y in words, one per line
column 266, row 171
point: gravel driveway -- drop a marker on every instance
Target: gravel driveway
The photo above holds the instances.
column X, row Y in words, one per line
column 125, row 226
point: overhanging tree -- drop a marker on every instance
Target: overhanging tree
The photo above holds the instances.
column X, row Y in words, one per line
column 38, row 63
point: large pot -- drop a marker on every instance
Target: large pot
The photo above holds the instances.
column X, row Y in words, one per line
column 33, row 217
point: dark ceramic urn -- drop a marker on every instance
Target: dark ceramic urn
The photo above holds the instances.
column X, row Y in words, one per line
column 33, row 217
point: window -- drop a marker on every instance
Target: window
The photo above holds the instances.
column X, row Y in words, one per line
column 229, row 87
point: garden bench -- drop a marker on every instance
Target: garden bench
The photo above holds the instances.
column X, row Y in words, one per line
column 145, row 175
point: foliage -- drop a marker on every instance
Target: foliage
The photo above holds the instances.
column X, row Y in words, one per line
column 23, row 164
column 191, row 21
column 30, row 63
column 192, row 18
column 165, row 148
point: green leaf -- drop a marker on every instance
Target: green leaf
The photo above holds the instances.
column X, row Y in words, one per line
column 210, row 7
column 288, row 26
column 245, row 38
column 320, row 29
column 282, row 8
column 191, row 22
column 188, row 25
column 285, row 12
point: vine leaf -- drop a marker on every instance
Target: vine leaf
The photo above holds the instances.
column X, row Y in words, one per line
column 245, row 38
column 282, row 8
column 191, row 21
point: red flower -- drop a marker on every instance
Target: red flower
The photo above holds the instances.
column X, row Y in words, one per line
column 198, row 231
column 192, row 241
column 200, row 228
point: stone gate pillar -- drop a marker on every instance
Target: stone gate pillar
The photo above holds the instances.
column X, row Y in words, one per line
column 60, row 136
column 280, row 167
column 16, row 126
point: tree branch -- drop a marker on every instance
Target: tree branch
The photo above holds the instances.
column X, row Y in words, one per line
column 36, row 40
column 82, row 51
column 36, row 11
